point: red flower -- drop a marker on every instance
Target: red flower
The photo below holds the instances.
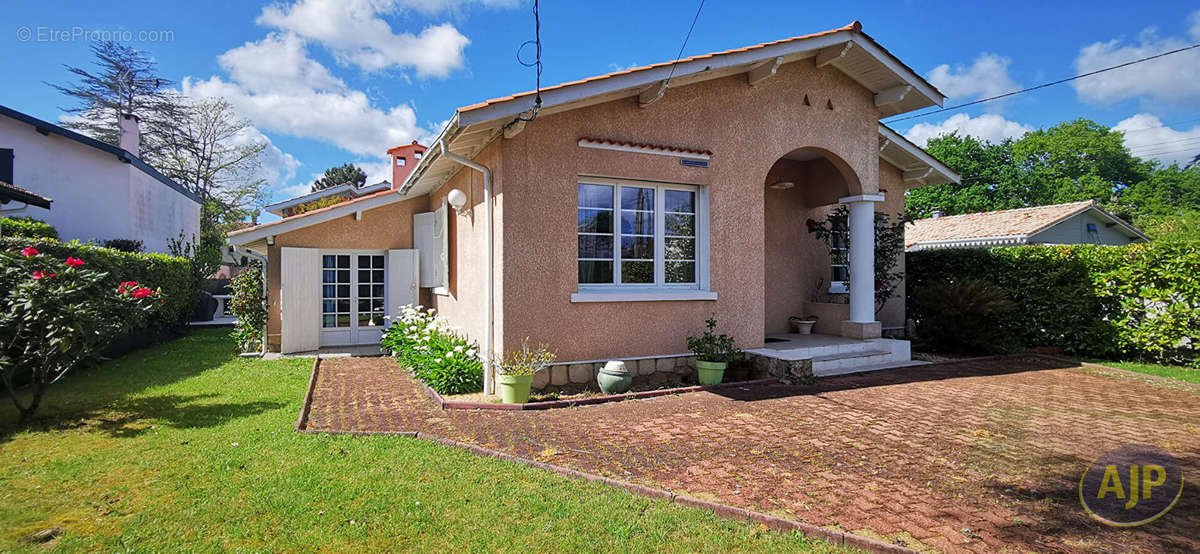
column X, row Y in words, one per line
column 126, row 286
column 73, row 262
column 29, row 251
column 38, row 274
column 142, row 293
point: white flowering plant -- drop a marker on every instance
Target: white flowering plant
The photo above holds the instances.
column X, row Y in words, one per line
column 435, row 352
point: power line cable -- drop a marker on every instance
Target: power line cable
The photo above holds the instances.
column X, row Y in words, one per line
column 684, row 45
column 1043, row 85
column 536, row 64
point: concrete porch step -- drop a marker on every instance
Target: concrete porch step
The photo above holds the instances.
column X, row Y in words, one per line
column 865, row 353
column 865, row 368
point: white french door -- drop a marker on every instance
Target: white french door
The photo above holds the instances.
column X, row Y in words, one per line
column 353, row 297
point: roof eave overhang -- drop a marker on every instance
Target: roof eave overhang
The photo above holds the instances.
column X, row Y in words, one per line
column 919, row 168
column 261, row 232
column 974, row 242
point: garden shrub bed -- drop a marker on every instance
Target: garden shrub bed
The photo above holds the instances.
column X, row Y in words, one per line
column 1134, row 302
column 171, row 273
column 26, row 227
column 547, row 401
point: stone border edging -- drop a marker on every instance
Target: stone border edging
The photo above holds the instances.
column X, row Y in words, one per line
column 553, row 404
column 312, row 384
column 837, row 538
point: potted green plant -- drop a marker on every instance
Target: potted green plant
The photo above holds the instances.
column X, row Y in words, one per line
column 517, row 370
column 713, row 353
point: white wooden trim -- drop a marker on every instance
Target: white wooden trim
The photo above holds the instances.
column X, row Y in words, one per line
column 657, row 295
column 642, row 150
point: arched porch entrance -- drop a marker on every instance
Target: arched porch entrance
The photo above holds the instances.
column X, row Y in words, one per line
column 800, row 277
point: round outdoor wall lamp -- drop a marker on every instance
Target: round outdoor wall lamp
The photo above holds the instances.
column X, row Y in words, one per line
column 457, row 200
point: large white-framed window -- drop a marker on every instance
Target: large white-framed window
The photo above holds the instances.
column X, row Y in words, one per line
column 641, row 240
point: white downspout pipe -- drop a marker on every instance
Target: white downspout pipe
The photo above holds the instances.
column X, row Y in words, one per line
column 488, row 381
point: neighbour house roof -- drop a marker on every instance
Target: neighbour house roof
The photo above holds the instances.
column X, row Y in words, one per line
column 345, row 188
column 897, row 88
column 47, row 128
column 10, row 192
column 1004, row 227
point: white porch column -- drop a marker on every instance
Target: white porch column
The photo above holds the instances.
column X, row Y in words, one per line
column 862, row 322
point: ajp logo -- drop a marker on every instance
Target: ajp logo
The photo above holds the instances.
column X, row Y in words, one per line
column 1132, row 485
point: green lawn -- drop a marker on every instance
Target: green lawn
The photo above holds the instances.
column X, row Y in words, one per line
column 186, row 447
column 1174, row 372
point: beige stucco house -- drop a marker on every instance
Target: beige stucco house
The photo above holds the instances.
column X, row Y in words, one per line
column 611, row 220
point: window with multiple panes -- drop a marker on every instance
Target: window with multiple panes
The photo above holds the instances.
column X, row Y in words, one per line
column 839, row 254
column 637, row 234
column 335, row 290
column 370, row 290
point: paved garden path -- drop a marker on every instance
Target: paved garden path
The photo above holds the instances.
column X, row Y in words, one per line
column 977, row 455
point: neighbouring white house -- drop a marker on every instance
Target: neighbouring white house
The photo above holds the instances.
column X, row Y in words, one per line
column 1073, row 223
column 100, row 191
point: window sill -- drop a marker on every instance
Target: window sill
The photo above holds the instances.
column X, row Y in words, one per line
column 441, row 291
column 838, row 287
column 642, row 296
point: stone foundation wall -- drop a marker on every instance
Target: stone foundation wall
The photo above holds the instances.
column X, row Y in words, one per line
column 569, row 373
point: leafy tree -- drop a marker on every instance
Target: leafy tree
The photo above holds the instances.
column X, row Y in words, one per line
column 340, row 175
column 889, row 244
column 124, row 81
column 987, row 174
column 1073, row 161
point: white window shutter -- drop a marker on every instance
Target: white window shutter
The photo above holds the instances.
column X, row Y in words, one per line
column 441, row 235
column 300, row 299
column 403, row 275
column 425, row 242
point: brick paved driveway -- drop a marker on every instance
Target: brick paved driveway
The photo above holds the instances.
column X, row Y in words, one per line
column 981, row 455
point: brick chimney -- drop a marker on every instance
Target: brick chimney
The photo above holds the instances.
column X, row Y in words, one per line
column 404, row 159
column 130, row 140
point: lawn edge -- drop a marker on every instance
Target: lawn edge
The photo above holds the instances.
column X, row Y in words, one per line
column 725, row 511
column 306, row 405
column 1130, row 373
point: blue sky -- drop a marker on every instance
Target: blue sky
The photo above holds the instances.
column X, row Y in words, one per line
column 332, row 81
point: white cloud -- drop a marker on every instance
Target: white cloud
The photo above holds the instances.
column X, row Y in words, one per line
column 1148, row 138
column 304, row 99
column 431, row 7
column 354, row 33
column 986, row 76
column 615, row 67
column 988, row 127
column 1174, row 79
column 276, row 166
column 278, row 63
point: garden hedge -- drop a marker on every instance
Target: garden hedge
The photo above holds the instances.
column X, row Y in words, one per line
column 171, row 273
column 1137, row 301
column 26, row 227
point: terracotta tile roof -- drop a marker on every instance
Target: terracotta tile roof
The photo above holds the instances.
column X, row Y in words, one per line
column 855, row 26
column 1004, row 223
column 10, row 191
column 647, row 146
column 314, row 212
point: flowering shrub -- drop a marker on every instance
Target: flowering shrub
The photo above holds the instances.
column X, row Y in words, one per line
column 250, row 306
column 56, row 314
column 434, row 352
column 526, row 361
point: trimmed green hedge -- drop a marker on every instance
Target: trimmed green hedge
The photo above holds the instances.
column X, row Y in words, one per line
column 26, row 227
column 171, row 273
column 1137, row 301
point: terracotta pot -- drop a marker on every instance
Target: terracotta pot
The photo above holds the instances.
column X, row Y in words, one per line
column 802, row 326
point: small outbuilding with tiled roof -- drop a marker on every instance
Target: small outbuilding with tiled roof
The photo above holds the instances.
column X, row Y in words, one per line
column 1073, row 223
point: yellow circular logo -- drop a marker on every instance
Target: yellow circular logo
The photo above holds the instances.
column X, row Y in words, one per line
column 1131, row 485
